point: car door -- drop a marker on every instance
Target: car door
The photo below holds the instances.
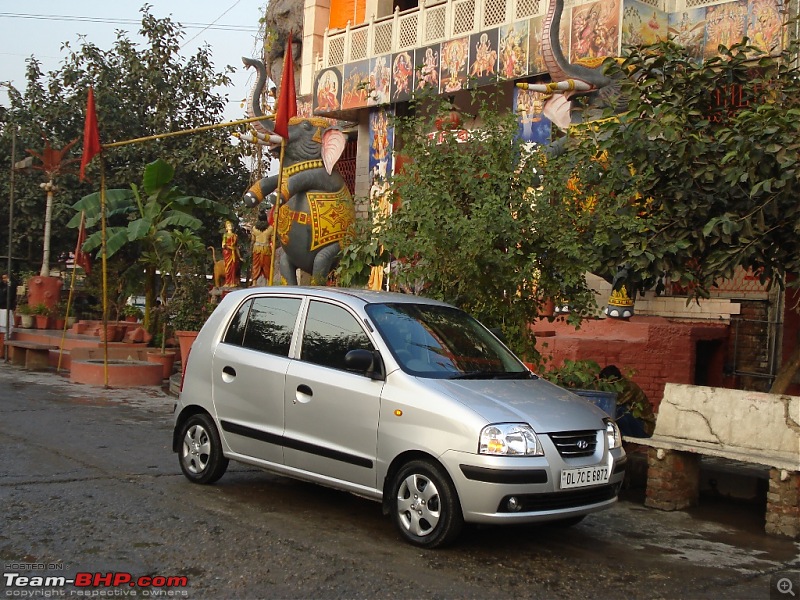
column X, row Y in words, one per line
column 331, row 414
column 249, row 370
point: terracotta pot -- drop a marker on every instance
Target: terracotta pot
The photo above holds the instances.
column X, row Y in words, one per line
column 166, row 360
column 59, row 324
column 185, row 340
column 41, row 321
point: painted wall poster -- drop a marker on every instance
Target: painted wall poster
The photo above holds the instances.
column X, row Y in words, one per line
column 725, row 24
column 426, row 68
column 513, row 50
column 355, row 87
column 595, row 30
column 381, row 135
column 536, row 64
column 642, row 24
column 764, row 25
column 688, row 28
column 380, row 80
column 328, row 91
column 533, row 125
column 483, row 57
column 455, row 54
column 402, row 76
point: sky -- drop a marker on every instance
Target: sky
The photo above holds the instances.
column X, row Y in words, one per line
column 39, row 28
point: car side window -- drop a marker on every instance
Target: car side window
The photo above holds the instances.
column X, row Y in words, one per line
column 330, row 333
column 265, row 324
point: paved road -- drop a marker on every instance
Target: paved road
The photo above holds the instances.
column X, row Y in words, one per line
column 88, row 482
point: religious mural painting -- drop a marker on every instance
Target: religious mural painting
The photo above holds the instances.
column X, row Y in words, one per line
column 455, row 55
column 381, row 135
column 642, row 24
column 536, row 64
column 380, row 80
column 595, row 30
column 688, row 28
column 427, row 62
column 513, row 44
column 305, row 107
column 483, row 57
column 402, row 76
column 764, row 25
column 534, row 127
column 725, row 24
column 355, row 87
column 328, row 91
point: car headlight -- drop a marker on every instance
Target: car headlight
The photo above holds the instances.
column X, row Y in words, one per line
column 613, row 434
column 509, row 439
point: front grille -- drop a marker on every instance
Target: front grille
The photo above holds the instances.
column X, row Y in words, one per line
column 574, row 444
column 560, row 500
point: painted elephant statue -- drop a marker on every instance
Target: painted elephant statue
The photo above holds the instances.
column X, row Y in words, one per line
column 315, row 208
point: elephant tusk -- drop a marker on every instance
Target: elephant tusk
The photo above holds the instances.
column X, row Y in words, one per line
column 568, row 85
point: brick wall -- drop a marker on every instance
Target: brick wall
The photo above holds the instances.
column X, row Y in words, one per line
column 658, row 350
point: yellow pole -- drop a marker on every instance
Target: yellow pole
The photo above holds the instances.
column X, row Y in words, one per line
column 275, row 215
column 104, row 260
column 159, row 136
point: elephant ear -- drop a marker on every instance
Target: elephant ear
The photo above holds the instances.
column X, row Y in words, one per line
column 333, row 142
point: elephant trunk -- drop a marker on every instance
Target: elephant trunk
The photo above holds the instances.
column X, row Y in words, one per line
column 254, row 101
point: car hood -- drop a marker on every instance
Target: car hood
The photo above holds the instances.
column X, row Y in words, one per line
column 543, row 405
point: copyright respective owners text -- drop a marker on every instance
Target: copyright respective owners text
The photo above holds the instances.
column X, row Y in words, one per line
column 785, row 585
column 53, row 580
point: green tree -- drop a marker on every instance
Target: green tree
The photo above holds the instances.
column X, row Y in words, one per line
column 141, row 89
column 465, row 232
column 699, row 175
column 162, row 225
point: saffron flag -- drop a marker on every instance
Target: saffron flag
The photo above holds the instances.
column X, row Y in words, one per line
column 287, row 100
column 91, row 136
column 82, row 259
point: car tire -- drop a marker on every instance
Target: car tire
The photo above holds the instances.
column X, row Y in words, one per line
column 425, row 505
column 200, row 452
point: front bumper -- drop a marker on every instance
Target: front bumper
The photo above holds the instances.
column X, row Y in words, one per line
column 486, row 485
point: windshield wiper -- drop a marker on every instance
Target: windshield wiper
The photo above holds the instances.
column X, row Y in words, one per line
column 494, row 375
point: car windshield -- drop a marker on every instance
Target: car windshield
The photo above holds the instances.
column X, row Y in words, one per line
column 443, row 342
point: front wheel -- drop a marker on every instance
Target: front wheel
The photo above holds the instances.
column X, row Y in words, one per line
column 425, row 505
column 200, row 453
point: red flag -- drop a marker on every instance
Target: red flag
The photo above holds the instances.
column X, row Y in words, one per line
column 81, row 258
column 91, row 136
column 287, row 100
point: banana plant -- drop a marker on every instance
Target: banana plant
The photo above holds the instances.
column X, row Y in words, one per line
column 162, row 223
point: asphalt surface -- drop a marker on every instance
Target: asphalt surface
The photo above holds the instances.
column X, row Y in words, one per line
column 89, row 484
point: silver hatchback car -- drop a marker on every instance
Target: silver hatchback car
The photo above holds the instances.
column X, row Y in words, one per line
column 400, row 399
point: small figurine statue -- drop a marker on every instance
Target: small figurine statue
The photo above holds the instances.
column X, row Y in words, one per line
column 231, row 256
column 262, row 250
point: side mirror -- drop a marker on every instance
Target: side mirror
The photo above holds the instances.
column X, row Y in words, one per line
column 364, row 361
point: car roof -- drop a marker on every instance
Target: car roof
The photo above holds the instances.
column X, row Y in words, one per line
column 348, row 295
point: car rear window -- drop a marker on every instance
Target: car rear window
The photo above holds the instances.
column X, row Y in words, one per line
column 265, row 324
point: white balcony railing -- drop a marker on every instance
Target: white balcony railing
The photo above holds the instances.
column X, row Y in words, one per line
column 435, row 21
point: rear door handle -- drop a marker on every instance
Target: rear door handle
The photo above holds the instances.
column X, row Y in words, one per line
column 228, row 374
column 304, row 389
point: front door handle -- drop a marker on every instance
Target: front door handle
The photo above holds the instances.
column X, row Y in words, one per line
column 303, row 394
column 304, row 389
column 228, row 374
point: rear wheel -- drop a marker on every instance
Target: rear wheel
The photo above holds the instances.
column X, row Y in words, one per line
column 425, row 505
column 200, row 453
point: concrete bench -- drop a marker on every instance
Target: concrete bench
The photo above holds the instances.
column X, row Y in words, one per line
column 749, row 427
column 30, row 355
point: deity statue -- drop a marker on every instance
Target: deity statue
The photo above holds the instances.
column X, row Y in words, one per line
column 231, row 256
column 262, row 250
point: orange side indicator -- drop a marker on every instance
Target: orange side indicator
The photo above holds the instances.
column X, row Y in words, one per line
column 398, row 413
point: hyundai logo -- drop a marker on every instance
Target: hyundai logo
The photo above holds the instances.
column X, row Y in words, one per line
column 582, row 444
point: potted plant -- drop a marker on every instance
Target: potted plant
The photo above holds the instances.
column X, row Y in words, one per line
column 132, row 313
column 25, row 312
column 188, row 310
column 582, row 377
column 41, row 315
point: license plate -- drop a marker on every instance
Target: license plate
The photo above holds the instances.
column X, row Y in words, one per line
column 575, row 478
